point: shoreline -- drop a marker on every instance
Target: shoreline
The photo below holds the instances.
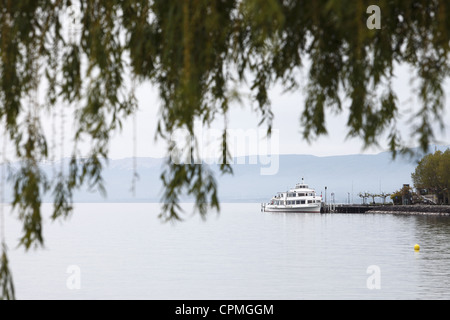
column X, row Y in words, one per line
column 435, row 210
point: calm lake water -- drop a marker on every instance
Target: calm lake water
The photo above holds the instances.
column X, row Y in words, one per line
column 123, row 251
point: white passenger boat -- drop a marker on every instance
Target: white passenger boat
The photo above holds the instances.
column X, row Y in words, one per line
column 300, row 199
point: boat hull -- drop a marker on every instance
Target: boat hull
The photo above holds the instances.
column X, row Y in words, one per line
column 293, row 209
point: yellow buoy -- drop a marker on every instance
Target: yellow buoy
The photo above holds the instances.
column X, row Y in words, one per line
column 416, row 247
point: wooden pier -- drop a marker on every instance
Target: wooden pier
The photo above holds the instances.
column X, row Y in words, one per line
column 437, row 210
column 346, row 208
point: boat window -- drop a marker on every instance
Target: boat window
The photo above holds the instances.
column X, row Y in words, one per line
column 310, row 201
column 303, row 202
column 298, row 202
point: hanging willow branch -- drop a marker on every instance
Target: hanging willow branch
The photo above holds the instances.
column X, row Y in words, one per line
column 195, row 52
column 6, row 281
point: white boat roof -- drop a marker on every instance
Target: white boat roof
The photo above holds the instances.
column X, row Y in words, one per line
column 302, row 186
column 299, row 187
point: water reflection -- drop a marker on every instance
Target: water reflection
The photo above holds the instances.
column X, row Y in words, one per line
column 433, row 260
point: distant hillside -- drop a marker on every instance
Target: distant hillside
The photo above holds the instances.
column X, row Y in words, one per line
column 341, row 174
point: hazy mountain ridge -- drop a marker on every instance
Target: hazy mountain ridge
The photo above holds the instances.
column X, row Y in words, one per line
column 340, row 174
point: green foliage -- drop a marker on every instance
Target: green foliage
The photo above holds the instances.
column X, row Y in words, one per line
column 6, row 282
column 197, row 52
column 433, row 174
column 397, row 196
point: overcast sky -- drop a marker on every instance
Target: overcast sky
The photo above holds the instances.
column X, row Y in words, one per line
column 287, row 109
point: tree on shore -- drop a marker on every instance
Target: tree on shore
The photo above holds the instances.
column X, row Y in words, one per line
column 384, row 196
column 198, row 53
column 432, row 175
column 403, row 195
column 364, row 196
